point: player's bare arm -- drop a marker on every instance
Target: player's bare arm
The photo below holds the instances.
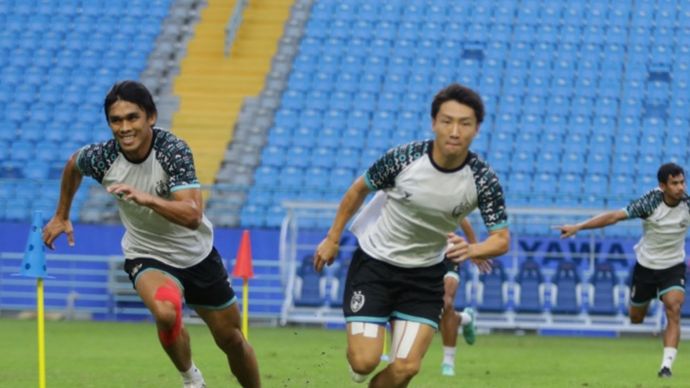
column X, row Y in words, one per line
column 184, row 208
column 484, row 266
column 351, row 202
column 60, row 223
column 599, row 221
column 496, row 244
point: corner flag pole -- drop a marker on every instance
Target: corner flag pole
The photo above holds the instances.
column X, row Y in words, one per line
column 34, row 266
column 243, row 269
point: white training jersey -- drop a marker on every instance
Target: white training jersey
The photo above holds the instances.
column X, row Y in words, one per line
column 423, row 203
column 663, row 242
column 169, row 167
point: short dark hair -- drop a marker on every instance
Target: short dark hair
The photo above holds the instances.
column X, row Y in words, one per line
column 668, row 170
column 130, row 91
column 461, row 94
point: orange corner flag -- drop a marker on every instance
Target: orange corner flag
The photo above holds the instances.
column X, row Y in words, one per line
column 243, row 262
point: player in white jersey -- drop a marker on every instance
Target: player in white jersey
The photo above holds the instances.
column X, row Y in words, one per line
column 404, row 233
column 660, row 268
column 168, row 243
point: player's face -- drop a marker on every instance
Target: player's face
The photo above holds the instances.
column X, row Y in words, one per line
column 455, row 127
column 131, row 128
column 674, row 188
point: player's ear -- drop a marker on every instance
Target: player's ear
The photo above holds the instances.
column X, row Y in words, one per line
column 152, row 118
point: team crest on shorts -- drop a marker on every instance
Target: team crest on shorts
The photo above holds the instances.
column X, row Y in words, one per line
column 357, row 301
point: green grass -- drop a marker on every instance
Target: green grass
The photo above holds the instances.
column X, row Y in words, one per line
column 105, row 354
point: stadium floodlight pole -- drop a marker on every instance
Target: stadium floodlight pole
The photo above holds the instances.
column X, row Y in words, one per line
column 34, row 266
column 243, row 269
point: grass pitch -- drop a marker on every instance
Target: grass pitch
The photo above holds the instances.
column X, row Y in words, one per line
column 107, row 354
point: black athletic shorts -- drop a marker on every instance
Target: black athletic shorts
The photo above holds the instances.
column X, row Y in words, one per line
column 648, row 284
column 377, row 292
column 205, row 284
column 452, row 269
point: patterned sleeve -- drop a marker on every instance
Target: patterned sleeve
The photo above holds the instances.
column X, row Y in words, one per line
column 176, row 158
column 94, row 160
column 644, row 206
column 491, row 201
column 382, row 173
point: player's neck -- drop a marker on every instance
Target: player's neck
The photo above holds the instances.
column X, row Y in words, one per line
column 670, row 201
column 448, row 162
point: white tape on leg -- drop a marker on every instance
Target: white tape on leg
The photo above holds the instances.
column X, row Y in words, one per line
column 371, row 330
column 398, row 329
column 407, row 335
column 356, row 328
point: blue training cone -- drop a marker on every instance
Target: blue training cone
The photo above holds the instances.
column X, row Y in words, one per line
column 34, row 263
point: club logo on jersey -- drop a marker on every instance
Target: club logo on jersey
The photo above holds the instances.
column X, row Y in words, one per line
column 682, row 282
column 162, row 189
column 460, row 209
column 357, row 301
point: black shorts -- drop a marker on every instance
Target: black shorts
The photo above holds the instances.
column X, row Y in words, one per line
column 377, row 292
column 204, row 284
column 452, row 269
column 648, row 284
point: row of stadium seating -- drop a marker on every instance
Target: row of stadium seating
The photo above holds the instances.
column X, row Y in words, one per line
column 57, row 60
column 581, row 111
column 534, row 12
column 603, row 292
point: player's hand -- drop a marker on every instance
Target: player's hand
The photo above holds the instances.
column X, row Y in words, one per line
column 484, row 266
column 458, row 248
column 129, row 193
column 325, row 254
column 54, row 228
column 567, row 230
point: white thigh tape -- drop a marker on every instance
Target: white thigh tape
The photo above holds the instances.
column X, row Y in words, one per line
column 357, row 328
column 369, row 330
column 404, row 334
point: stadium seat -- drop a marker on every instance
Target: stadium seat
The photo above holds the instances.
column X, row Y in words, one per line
column 603, row 293
column 529, row 288
column 338, row 283
column 492, row 289
column 566, row 289
column 310, row 286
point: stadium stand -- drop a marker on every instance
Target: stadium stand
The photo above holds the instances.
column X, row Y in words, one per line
column 536, row 77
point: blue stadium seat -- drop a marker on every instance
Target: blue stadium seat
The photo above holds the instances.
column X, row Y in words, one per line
column 291, row 178
column 310, row 286
column 529, row 288
column 338, row 283
column 273, row 156
column 567, row 289
column 492, row 290
column 298, row 157
column 603, row 290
